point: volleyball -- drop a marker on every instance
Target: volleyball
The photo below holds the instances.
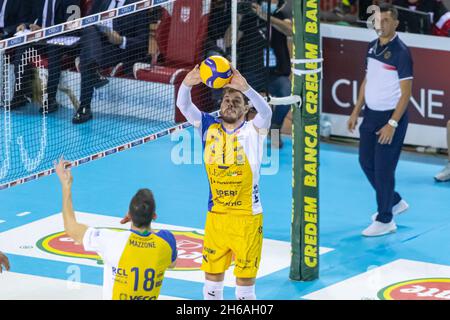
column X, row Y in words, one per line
column 215, row 72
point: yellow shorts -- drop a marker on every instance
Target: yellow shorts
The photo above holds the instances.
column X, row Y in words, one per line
column 228, row 236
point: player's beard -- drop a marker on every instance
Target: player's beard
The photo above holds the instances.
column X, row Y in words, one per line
column 231, row 117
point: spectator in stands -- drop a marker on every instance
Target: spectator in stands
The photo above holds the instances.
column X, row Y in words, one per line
column 218, row 22
column 251, row 51
column 251, row 41
column 444, row 175
column 4, row 262
column 12, row 14
column 279, row 84
column 122, row 40
column 43, row 14
column 344, row 7
column 440, row 16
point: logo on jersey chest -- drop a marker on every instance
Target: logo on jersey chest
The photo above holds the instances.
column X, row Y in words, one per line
column 387, row 55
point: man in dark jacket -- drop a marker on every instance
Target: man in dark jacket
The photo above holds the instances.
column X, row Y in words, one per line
column 124, row 39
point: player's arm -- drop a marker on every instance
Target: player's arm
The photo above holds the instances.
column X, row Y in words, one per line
column 405, row 75
column 173, row 265
column 184, row 99
column 4, row 262
column 72, row 228
column 353, row 120
column 386, row 134
column 406, row 91
column 263, row 118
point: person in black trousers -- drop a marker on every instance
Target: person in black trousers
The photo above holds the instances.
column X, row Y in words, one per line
column 12, row 14
column 43, row 14
column 125, row 40
column 385, row 91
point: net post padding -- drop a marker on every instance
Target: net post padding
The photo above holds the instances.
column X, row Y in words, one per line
column 305, row 140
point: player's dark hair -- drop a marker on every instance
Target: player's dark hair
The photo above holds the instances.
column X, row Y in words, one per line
column 387, row 7
column 142, row 208
column 231, row 90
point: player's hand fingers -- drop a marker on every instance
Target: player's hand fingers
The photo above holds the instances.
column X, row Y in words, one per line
column 125, row 220
column 235, row 71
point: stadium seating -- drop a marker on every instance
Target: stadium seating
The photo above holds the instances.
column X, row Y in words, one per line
column 180, row 36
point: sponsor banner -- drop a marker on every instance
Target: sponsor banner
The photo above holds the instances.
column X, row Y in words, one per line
column 89, row 20
column 78, row 23
column 126, row 10
column 15, row 41
column 45, row 239
column 143, row 5
column 430, row 102
column 108, row 15
column 34, row 177
column 399, row 280
column 98, row 156
column 35, row 36
column 73, row 25
column 136, row 143
column 54, row 30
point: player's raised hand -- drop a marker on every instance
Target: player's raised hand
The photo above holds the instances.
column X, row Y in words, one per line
column 193, row 77
column 125, row 219
column 238, row 81
column 4, row 262
column 64, row 175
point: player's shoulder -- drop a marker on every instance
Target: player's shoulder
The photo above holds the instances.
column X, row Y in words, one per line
column 208, row 120
column 400, row 46
column 109, row 233
column 167, row 236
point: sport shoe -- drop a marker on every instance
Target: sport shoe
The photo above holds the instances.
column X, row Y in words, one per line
column 18, row 101
column 399, row 208
column 444, row 175
column 82, row 116
column 378, row 229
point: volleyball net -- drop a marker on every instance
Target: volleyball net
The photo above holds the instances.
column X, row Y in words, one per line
column 107, row 79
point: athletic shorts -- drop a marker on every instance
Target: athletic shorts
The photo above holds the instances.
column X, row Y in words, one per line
column 233, row 236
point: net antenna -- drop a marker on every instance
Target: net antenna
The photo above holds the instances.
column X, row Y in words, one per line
column 6, row 114
column 31, row 55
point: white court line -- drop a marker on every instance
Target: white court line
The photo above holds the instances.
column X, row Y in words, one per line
column 23, row 214
column 2, row 221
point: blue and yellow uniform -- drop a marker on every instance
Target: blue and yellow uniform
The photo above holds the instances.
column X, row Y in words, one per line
column 134, row 263
column 234, row 221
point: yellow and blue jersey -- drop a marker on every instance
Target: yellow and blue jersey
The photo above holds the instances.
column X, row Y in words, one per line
column 233, row 162
column 134, row 263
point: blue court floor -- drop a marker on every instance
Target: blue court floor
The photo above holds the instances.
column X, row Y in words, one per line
column 351, row 266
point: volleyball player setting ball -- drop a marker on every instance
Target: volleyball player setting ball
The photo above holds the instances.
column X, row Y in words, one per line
column 232, row 155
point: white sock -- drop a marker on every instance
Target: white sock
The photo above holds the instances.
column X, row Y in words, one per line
column 245, row 292
column 213, row 290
